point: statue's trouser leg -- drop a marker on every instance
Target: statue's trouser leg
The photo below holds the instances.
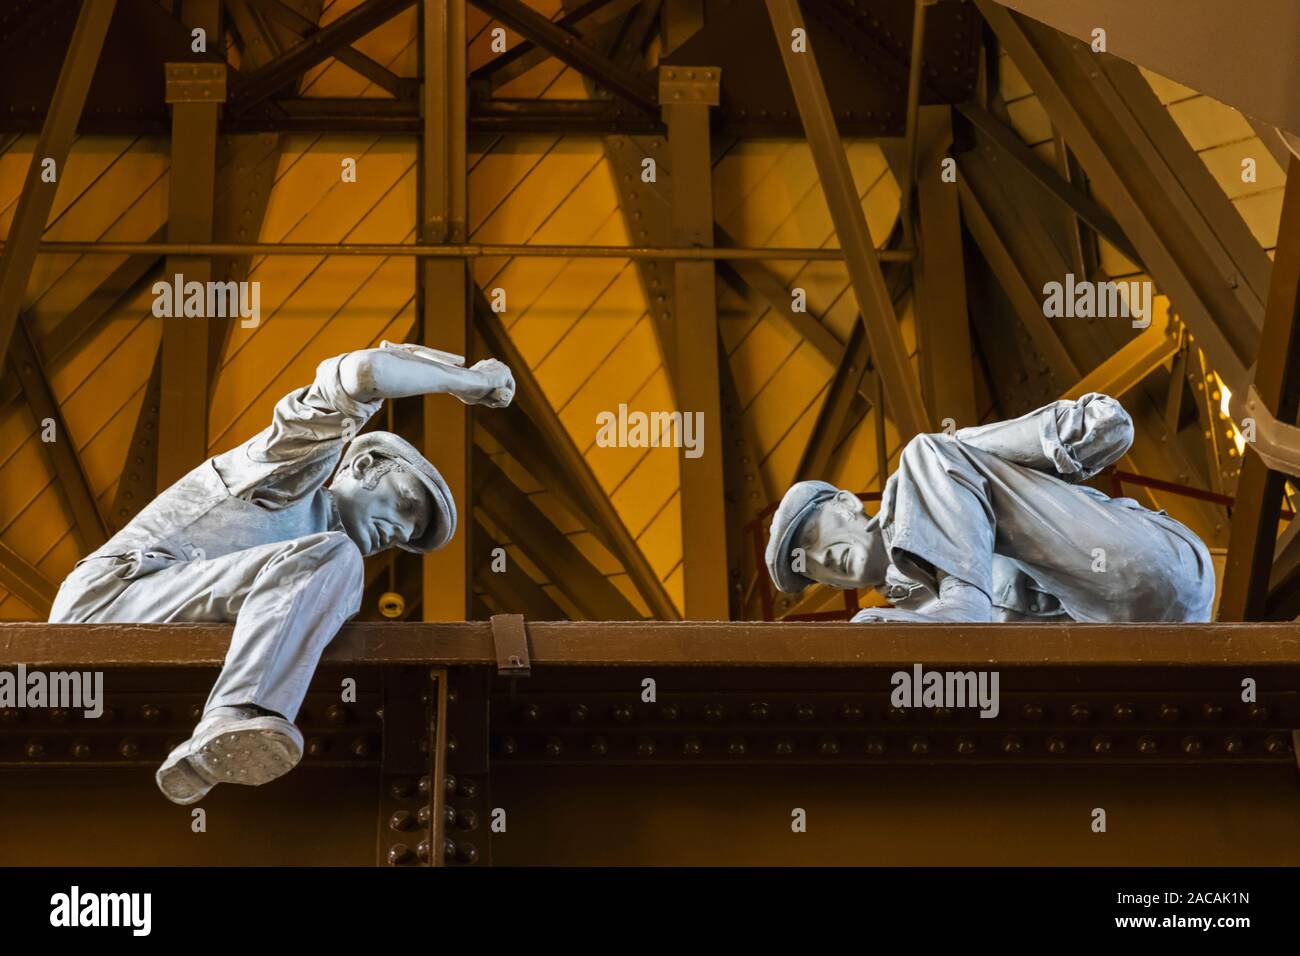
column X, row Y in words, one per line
column 287, row 599
column 953, row 505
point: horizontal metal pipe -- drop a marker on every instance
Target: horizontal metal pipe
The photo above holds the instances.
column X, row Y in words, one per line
column 467, row 250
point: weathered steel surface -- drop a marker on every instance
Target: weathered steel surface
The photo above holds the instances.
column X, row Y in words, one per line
column 695, row 644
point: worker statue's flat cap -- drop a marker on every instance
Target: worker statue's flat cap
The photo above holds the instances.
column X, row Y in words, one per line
column 442, row 522
column 795, row 508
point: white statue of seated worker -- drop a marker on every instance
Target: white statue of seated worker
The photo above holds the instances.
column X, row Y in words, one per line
column 991, row 524
column 270, row 535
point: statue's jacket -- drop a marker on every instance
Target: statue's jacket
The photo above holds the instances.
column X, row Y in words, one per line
column 270, row 488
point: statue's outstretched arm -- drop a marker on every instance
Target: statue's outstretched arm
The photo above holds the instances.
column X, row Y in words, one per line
column 401, row 370
column 1071, row 439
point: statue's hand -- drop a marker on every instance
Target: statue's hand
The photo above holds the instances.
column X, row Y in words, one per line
column 495, row 387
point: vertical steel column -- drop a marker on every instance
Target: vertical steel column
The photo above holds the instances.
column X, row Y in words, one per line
column 1277, row 380
column 888, row 352
column 443, row 289
column 57, row 132
column 939, row 278
column 412, row 798
column 195, row 92
column 686, row 93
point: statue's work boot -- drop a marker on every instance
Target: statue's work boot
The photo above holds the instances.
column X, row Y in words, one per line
column 250, row 750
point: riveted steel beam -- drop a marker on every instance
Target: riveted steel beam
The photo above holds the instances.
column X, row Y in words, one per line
column 52, row 146
column 687, row 93
column 533, row 432
column 583, row 19
column 314, row 49
column 835, row 646
column 381, row 76
column 1277, row 386
column 62, row 449
column 510, row 587
column 938, row 271
column 546, row 546
column 569, row 49
column 902, row 391
column 444, row 292
column 1191, row 239
column 413, row 752
column 1074, row 198
column 195, row 92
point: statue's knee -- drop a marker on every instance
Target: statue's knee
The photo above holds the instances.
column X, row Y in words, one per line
column 329, row 550
column 927, row 446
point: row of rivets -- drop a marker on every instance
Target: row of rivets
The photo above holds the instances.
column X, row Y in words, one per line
column 805, row 712
column 964, row 744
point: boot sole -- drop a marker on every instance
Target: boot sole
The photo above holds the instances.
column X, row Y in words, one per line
column 255, row 752
column 258, row 752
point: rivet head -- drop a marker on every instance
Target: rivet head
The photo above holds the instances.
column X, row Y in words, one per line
column 509, row 746
column 622, row 714
column 805, row 712
column 1032, row 712
column 599, row 746
column 1169, row 712
column 398, row 854
column 1056, row 745
column 1147, row 744
column 1124, row 711
column 645, row 747
column 466, row 853
column 759, row 711
column 692, row 747
column 783, row 746
column 1080, row 713
column 578, row 714
column 1257, row 712
column 1012, row 745
column 737, row 747
column 715, row 713
column 1192, row 745
column 402, row 820
column 919, row 746
column 554, row 746
column 828, row 747
column 965, row 745
column 1101, row 744
column 1277, row 744
column 1233, row 744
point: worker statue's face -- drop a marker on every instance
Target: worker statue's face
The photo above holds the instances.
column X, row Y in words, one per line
column 381, row 504
column 840, row 548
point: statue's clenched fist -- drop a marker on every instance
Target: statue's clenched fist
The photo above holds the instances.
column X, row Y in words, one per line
column 489, row 382
column 496, row 388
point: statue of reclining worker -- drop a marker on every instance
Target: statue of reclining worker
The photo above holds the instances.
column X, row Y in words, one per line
column 991, row 524
column 255, row 536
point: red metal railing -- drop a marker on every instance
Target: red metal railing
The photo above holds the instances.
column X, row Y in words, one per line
column 757, row 532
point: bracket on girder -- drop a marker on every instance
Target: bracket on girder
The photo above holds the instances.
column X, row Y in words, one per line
column 510, row 642
column 1276, row 443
